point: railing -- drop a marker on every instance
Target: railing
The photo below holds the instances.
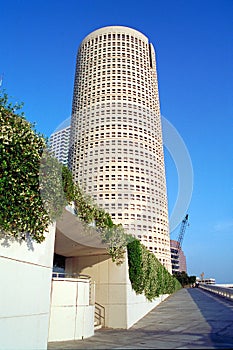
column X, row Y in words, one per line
column 222, row 291
column 99, row 314
column 92, row 293
column 76, row 276
column 70, row 275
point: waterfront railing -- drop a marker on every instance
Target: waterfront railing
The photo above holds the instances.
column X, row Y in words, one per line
column 221, row 291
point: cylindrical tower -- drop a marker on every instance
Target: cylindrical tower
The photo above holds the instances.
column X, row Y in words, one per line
column 116, row 149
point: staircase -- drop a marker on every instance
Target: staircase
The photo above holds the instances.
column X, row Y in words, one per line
column 99, row 316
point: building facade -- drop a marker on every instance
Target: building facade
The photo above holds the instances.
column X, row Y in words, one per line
column 116, row 149
column 59, row 142
column 178, row 258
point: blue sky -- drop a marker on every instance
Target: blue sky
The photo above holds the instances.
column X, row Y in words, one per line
column 194, row 45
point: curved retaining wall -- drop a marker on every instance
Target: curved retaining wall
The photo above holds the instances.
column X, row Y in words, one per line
column 72, row 310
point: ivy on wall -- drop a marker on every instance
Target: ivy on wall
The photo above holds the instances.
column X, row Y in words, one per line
column 147, row 274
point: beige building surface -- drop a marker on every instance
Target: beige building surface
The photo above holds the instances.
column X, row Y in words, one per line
column 59, row 141
column 116, row 149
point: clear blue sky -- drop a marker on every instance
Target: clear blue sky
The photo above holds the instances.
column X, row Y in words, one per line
column 194, row 45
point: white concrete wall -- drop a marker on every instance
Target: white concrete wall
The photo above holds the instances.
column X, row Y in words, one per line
column 138, row 306
column 122, row 306
column 72, row 316
column 26, row 272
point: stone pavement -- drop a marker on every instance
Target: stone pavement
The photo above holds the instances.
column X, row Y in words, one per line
column 188, row 319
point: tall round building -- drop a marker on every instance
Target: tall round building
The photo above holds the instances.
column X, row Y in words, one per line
column 116, row 148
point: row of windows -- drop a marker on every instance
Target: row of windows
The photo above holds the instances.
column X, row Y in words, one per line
column 125, row 186
column 89, row 83
column 152, row 149
column 147, row 209
column 119, row 66
column 83, row 167
column 63, row 140
column 150, row 141
column 103, row 106
column 114, row 86
column 118, row 50
column 113, row 53
column 118, row 127
column 87, row 165
column 135, row 216
column 160, row 241
column 94, row 44
column 110, row 155
column 126, row 196
column 84, row 102
column 139, row 217
column 139, row 69
column 86, row 120
column 133, row 226
column 82, row 174
column 117, row 92
column 85, row 153
column 125, row 217
column 137, row 179
column 120, row 168
column 104, row 82
column 60, row 136
column 112, row 36
column 133, row 205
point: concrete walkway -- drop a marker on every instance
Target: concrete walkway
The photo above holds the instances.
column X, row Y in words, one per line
column 189, row 319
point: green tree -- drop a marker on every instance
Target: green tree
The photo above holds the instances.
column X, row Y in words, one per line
column 31, row 184
column 184, row 279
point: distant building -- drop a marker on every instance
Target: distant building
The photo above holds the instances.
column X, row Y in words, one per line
column 206, row 280
column 59, row 142
column 178, row 258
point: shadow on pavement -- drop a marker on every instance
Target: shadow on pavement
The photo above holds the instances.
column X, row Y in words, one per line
column 218, row 312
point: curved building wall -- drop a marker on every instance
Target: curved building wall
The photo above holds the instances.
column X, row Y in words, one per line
column 116, row 149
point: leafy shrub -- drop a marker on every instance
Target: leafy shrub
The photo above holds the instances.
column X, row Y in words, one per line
column 31, row 180
column 147, row 274
column 21, row 148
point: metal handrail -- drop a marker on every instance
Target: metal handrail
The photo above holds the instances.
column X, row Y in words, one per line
column 98, row 314
column 63, row 275
column 222, row 291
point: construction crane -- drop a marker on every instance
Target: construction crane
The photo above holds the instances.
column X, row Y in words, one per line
column 175, row 252
column 182, row 231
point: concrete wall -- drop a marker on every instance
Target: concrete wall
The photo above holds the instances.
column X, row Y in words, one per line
column 26, row 271
column 72, row 315
column 113, row 290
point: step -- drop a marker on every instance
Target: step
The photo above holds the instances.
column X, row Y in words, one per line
column 97, row 326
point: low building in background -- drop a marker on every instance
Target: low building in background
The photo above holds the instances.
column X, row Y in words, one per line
column 177, row 257
column 206, row 280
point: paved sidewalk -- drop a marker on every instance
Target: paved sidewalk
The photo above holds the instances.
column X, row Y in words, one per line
column 189, row 319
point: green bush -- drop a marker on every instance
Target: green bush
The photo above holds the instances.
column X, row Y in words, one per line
column 31, row 180
column 147, row 274
column 21, row 148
